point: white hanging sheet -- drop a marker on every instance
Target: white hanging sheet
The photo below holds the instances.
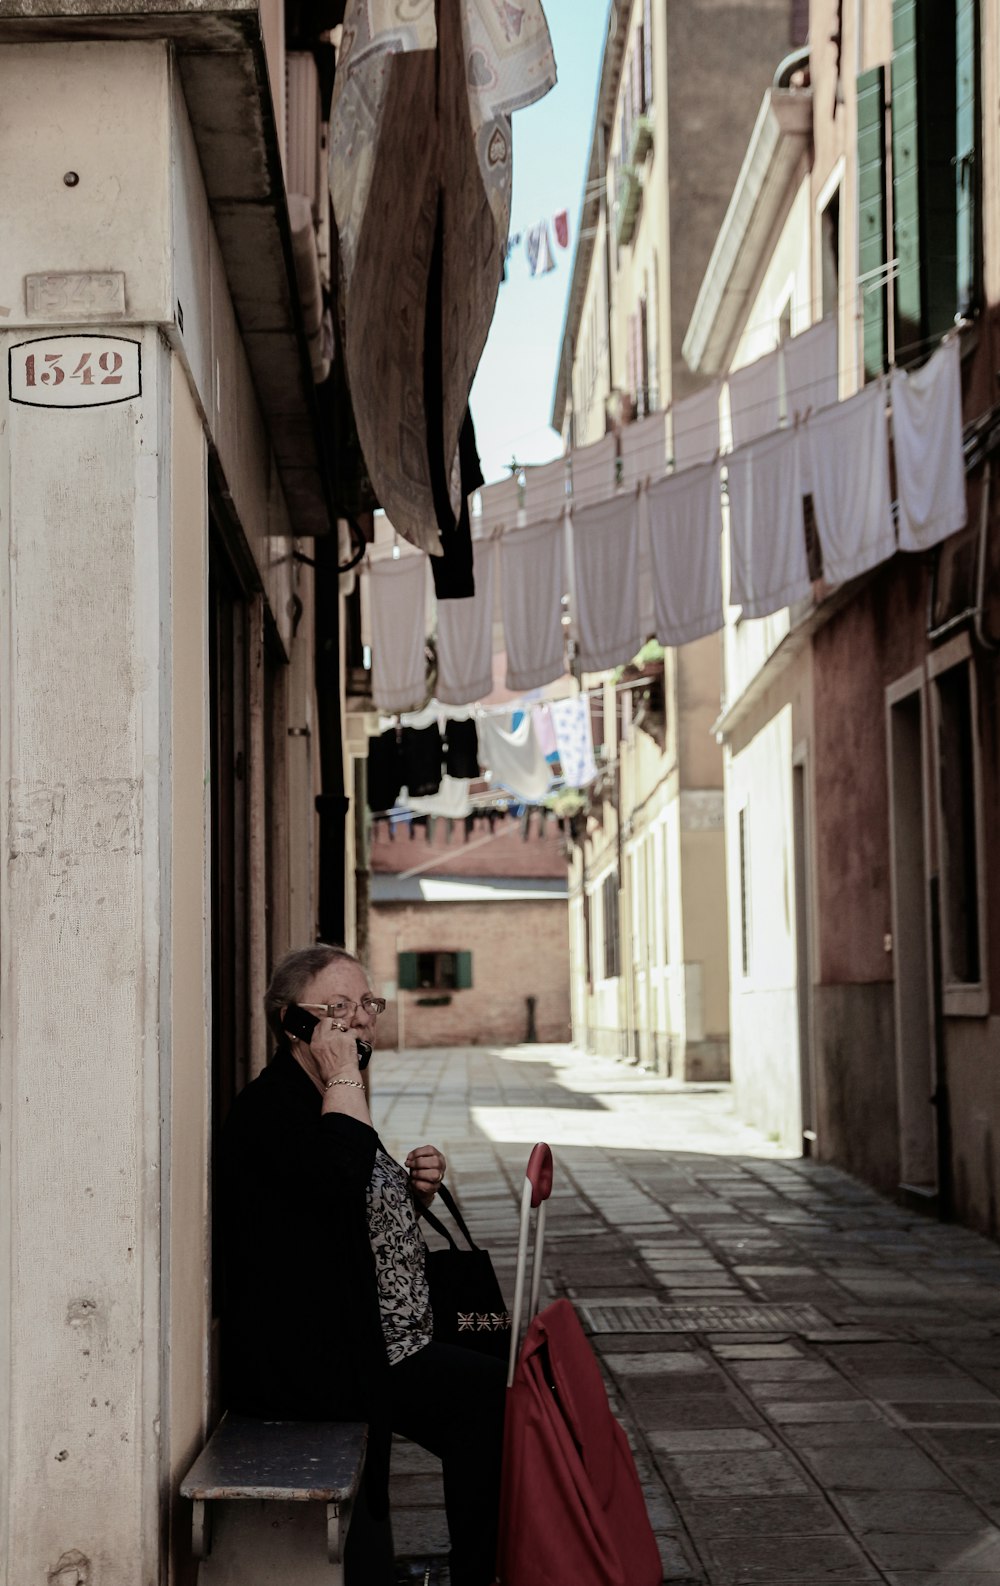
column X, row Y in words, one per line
column 514, row 756
column 451, row 800
column 398, row 601
column 498, row 508
column 545, row 490
column 606, row 583
column 533, row 580
column 643, row 450
column 848, row 450
column 811, row 368
column 574, row 739
column 685, row 532
column 767, row 541
column 754, row 400
column 927, row 435
column 592, row 471
column 695, row 427
column 465, row 635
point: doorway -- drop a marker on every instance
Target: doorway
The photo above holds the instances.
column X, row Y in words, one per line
column 910, row 937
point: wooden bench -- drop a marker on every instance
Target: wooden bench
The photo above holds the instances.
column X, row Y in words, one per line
column 273, row 1500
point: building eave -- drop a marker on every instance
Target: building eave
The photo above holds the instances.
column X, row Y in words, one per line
column 590, row 208
column 223, row 71
column 781, row 135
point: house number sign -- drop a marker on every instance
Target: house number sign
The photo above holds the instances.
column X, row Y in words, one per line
column 86, row 371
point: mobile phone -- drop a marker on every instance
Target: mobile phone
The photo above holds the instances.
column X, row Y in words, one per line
column 301, row 1024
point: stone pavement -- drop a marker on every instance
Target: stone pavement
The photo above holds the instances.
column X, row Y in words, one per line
column 809, row 1374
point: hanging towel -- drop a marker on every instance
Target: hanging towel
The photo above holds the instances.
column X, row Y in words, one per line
column 465, row 636
column 533, row 582
column 927, row 434
column 561, row 225
column 451, row 800
column 385, row 771
column 606, row 583
column 545, row 732
column 422, row 107
column 767, row 540
column 849, row 476
column 422, row 752
column 461, row 759
column 593, row 471
column 574, row 739
column 538, row 247
column 754, row 400
column 514, row 756
column 545, row 490
column 685, row 531
column 398, row 599
column 695, row 422
column 643, row 451
column 811, row 369
column 498, row 507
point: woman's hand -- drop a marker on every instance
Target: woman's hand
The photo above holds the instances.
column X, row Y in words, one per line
column 331, row 1054
column 426, row 1167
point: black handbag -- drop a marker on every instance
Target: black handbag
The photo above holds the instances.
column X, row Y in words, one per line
column 466, row 1300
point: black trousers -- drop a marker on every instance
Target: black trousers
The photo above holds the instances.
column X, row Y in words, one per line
column 451, row 1402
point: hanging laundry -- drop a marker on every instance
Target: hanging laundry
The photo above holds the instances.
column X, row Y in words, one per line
column 685, row 532
column 695, row 422
column 451, row 801
column 755, row 400
column 385, row 771
column 452, row 570
column 606, row 583
column 498, row 506
column 574, row 739
column 409, row 122
column 465, row 636
column 398, row 597
column 643, row 449
column 561, row 226
column 545, row 490
column 592, row 471
column 533, row 582
column 927, row 435
column 422, row 753
column 461, row 756
column 538, row 249
column 768, row 568
column 514, row 756
column 848, row 448
column 545, row 732
column 811, row 369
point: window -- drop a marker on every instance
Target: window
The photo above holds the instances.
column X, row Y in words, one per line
column 744, row 839
column 435, row 971
column 646, row 44
column 872, row 232
column 829, row 241
column 961, row 855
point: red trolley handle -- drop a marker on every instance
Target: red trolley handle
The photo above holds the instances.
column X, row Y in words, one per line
column 539, row 1173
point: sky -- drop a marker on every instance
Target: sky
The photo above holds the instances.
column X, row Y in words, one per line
column 512, row 395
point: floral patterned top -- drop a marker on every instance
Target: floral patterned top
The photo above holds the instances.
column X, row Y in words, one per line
column 400, row 1252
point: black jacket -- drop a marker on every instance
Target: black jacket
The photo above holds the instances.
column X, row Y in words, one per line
column 301, row 1331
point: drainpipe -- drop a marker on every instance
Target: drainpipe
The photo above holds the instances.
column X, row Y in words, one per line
column 332, row 803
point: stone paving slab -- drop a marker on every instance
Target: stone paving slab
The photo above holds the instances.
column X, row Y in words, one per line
column 861, row 1446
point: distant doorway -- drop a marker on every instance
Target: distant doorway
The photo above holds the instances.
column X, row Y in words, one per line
column 911, row 938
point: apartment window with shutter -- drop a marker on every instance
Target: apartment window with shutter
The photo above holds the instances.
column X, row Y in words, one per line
column 434, row 971
column 647, row 54
column 610, row 904
column 935, row 135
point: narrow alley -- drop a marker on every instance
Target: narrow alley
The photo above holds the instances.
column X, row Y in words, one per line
column 810, row 1374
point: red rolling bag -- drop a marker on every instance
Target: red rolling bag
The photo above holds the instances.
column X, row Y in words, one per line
column 572, row 1511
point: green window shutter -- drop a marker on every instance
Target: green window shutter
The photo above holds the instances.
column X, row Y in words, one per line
column 406, row 973
column 872, row 252
column 463, row 971
column 966, row 152
column 923, row 181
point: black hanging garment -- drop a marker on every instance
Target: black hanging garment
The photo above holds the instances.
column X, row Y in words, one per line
column 385, row 772
column 422, row 751
column 462, row 749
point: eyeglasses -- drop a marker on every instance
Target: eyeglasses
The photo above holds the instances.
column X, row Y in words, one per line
column 344, row 1008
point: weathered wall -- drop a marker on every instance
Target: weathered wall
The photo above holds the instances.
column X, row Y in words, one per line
column 83, row 613
column 856, row 1081
column 518, row 950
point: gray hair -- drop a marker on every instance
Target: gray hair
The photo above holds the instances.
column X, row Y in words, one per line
column 293, row 973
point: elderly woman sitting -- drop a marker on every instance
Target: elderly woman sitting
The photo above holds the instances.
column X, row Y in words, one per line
column 326, row 1310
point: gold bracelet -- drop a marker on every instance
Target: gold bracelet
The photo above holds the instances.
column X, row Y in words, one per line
column 329, row 1083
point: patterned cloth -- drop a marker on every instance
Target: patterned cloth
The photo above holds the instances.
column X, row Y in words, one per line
column 574, row 738
column 404, row 1298
column 420, row 175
